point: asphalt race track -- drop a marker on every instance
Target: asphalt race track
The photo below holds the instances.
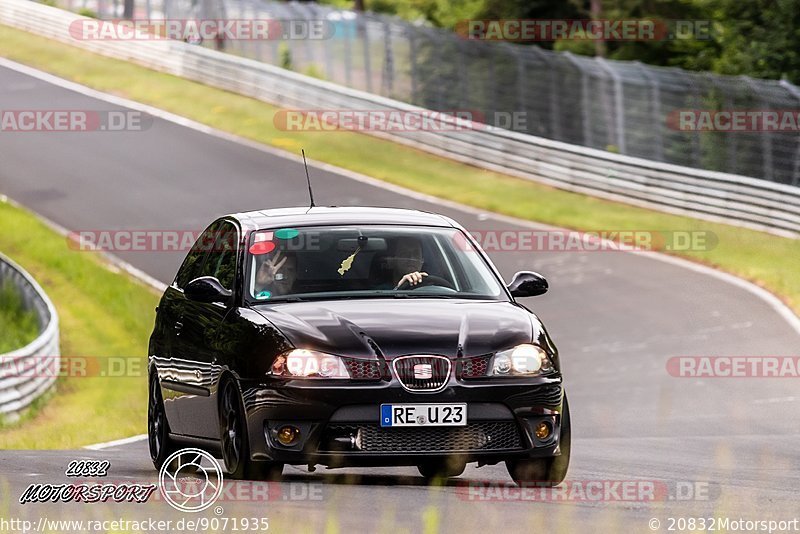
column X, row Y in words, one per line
column 616, row 318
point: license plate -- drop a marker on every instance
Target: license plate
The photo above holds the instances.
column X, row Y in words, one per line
column 423, row 415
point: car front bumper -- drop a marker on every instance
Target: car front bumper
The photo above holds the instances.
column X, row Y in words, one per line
column 339, row 422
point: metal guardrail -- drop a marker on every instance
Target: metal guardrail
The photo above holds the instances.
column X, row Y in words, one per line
column 723, row 197
column 27, row 373
column 622, row 106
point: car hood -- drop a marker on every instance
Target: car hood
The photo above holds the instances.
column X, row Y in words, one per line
column 395, row 327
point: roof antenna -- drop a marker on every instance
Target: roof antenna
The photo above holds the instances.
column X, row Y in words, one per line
column 308, row 179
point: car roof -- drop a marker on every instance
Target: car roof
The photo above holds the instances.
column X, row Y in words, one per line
column 331, row 215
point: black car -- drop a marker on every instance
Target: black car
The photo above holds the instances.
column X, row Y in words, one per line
column 354, row 337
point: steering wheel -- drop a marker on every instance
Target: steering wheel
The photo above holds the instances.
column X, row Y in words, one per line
column 430, row 280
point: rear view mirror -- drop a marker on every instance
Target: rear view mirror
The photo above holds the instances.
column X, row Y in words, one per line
column 206, row 289
column 527, row 284
column 372, row 244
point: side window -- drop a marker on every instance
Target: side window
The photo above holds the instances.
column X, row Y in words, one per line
column 193, row 264
column 221, row 261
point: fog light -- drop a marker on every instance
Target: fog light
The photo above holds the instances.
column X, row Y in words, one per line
column 543, row 430
column 288, row 434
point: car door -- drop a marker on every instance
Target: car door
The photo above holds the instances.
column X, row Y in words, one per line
column 197, row 347
column 171, row 366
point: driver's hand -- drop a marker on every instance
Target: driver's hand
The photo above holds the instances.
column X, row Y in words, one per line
column 412, row 279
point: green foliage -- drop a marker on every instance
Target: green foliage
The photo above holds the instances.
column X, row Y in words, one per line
column 86, row 12
column 286, row 56
column 102, row 312
column 20, row 326
column 314, row 71
column 758, row 38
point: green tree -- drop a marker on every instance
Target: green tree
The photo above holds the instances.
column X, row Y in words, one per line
column 759, row 38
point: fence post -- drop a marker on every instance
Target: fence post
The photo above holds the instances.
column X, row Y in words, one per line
column 618, row 107
column 552, row 90
column 658, row 117
column 586, row 114
column 795, row 92
column 766, row 138
column 387, row 80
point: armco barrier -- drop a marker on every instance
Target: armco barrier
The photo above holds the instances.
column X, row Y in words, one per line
column 20, row 382
column 729, row 198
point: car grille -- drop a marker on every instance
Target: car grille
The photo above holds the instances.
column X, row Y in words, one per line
column 546, row 395
column 478, row 436
column 474, row 367
column 422, row 373
column 363, row 369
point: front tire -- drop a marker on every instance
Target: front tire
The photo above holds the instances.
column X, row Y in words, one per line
column 546, row 472
column 160, row 444
column 235, row 441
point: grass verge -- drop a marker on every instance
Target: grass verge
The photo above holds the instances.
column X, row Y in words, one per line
column 19, row 324
column 765, row 259
column 103, row 314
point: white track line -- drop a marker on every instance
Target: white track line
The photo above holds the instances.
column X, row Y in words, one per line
column 115, row 443
column 110, row 258
column 774, row 302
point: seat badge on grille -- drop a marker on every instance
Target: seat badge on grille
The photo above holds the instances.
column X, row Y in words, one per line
column 423, row 371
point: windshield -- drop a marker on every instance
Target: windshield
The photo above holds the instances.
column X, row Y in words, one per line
column 366, row 262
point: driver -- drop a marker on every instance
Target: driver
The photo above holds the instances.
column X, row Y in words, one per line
column 407, row 262
column 276, row 275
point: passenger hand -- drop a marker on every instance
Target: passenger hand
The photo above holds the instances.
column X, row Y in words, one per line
column 268, row 269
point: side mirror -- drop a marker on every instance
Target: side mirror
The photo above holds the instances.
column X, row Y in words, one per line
column 527, row 284
column 206, row 289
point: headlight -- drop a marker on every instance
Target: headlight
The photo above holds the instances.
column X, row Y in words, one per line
column 302, row 363
column 522, row 360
